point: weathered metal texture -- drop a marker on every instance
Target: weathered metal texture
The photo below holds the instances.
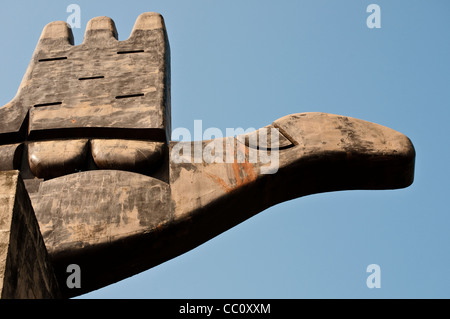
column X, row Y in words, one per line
column 25, row 268
column 10, row 156
column 81, row 94
column 111, row 197
column 56, row 158
column 325, row 152
column 129, row 155
column 101, row 87
column 99, row 207
column 328, row 153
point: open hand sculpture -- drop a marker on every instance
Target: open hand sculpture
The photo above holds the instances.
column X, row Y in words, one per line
column 89, row 130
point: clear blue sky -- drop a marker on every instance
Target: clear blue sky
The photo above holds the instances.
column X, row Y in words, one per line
column 248, row 63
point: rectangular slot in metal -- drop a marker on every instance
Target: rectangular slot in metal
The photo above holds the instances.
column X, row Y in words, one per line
column 129, row 95
column 53, row 59
column 128, row 52
column 91, row 78
column 48, row 104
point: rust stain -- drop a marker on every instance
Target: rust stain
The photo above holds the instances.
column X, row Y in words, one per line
column 220, row 181
column 236, row 171
column 245, row 169
column 250, row 174
column 159, row 227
